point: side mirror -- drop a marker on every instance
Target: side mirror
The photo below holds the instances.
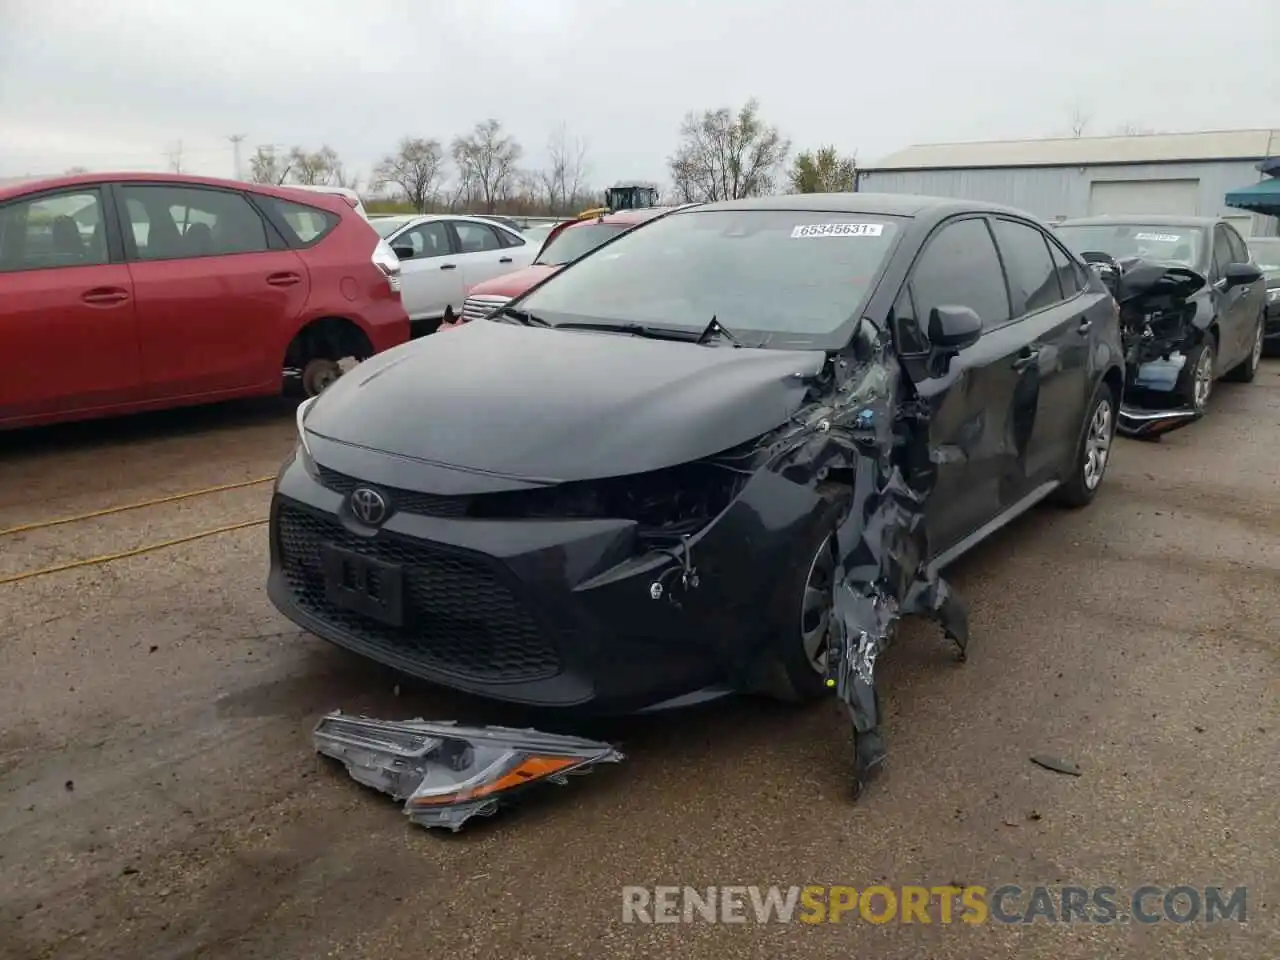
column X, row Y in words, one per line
column 1241, row 274
column 404, row 253
column 954, row 328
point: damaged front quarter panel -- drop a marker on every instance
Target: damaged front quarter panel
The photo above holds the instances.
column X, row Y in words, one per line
column 871, row 430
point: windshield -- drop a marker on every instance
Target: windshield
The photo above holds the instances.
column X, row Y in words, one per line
column 1267, row 253
column 1183, row 245
column 575, row 242
column 784, row 276
column 386, row 226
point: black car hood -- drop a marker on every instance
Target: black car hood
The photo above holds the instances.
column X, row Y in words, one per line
column 551, row 406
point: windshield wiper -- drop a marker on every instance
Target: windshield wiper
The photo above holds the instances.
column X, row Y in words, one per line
column 715, row 327
column 636, row 329
column 524, row 316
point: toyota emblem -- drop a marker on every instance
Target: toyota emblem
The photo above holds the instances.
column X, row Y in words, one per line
column 369, row 506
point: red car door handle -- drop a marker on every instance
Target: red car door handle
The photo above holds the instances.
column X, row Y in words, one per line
column 1025, row 359
column 105, row 296
column 283, row 279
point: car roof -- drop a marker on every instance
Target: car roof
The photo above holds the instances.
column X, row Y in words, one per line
column 1139, row 219
column 15, row 189
column 881, row 204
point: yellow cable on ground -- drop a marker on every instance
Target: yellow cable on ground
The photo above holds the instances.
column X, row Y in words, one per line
column 24, row 528
column 136, row 551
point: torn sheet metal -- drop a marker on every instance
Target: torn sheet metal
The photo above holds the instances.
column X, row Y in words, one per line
column 446, row 774
column 876, row 426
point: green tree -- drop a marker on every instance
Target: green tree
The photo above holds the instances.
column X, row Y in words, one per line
column 823, row 171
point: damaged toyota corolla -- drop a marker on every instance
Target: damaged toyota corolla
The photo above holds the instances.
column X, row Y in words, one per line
column 724, row 452
column 1192, row 310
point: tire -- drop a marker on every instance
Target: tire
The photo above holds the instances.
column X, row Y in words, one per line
column 1193, row 389
column 1247, row 369
column 318, row 375
column 792, row 673
column 1097, row 435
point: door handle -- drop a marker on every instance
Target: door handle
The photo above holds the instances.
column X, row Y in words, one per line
column 505, row 260
column 1085, row 324
column 283, row 279
column 448, row 266
column 1025, row 359
column 105, row 296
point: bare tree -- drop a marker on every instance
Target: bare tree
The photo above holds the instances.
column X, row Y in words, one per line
column 486, row 160
column 174, row 154
column 724, row 157
column 416, row 169
column 823, row 171
column 267, row 166
column 321, row 168
column 1131, row 129
column 566, row 170
column 1079, row 121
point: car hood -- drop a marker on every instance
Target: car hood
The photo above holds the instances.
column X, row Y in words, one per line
column 514, row 283
column 543, row 405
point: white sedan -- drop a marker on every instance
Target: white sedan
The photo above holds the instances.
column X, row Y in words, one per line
column 442, row 256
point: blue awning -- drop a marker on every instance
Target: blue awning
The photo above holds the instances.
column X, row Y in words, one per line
column 1262, row 197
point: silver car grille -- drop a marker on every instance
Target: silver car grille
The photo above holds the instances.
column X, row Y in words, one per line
column 478, row 307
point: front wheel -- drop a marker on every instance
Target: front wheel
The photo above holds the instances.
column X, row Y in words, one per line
column 1198, row 376
column 1248, row 368
column 1093, row 451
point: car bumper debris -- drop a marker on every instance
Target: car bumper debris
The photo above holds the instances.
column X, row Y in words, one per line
column 446, row 774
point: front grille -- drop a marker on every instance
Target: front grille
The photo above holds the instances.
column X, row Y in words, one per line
column 403, row 501
column 461, row 619
column 479, row 307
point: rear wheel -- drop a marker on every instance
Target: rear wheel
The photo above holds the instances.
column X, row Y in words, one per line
column 1093, row 451
column 1248, row 368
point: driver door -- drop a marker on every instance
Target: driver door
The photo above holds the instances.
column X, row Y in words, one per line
column 431, row 279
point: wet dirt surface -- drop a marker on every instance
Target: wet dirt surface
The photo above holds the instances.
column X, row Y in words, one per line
column 158, row 796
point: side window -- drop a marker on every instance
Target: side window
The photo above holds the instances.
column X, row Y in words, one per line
column 476, row 237
column 909, row 328
column 172, row 222
column 959, row 268
column 1033, row 282
column 508, row 238
column 1239, row 250
column 53, row 230
column 306, row 225
column 425, row 240
column 1068, row 273
column 1221, row 249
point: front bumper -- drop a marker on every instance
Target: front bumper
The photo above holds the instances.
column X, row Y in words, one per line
column 544, row 613
column 1151, row 405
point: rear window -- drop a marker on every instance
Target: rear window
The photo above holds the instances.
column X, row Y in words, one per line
column 575, row 242
column 305, row 224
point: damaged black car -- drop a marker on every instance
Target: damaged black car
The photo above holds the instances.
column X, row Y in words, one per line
column 725, row 451
column 1192, row 310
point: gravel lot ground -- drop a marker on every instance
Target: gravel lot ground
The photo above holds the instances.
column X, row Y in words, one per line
column 158, row 796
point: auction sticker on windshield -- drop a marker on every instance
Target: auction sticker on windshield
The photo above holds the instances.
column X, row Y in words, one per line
column 837, row 230
column 1159, row 237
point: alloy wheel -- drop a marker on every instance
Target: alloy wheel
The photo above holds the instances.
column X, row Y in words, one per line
column 1255, row 358
column 817, row 606
column 1097, row 443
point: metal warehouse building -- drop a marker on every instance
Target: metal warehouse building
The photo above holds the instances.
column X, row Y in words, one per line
column 1178, row 173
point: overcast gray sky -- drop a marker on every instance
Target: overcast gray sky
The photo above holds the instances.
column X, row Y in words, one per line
column 116, row 83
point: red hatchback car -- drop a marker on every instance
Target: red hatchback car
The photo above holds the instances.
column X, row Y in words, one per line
column 128, row 292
